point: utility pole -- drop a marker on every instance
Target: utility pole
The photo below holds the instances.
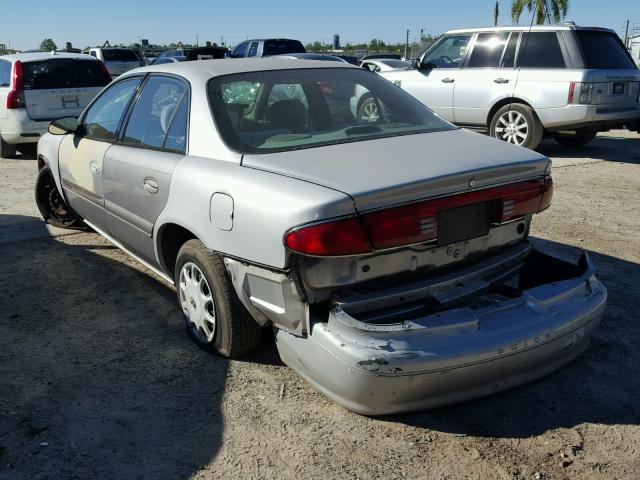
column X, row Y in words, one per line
column 626, row 35
column 406, row 46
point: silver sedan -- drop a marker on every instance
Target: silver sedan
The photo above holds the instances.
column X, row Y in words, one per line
column 390, row 254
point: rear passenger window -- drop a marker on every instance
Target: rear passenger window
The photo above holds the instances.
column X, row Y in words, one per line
column 5, row 73
column 540, row 50
column 152, row 114
column 488, row 49
column 253, row 49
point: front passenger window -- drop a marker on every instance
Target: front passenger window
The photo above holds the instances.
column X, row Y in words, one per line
column 103, row 118
column 448, row 53
column 154, row 111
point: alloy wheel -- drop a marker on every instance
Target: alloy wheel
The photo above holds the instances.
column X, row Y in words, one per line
column 512, row 127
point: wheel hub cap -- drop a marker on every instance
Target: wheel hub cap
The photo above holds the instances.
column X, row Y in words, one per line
column 512, row 127
column 197, row 302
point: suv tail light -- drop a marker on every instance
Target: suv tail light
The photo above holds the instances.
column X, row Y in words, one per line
column 580, row 93
column 417, row 222
column 15, row 99
column 105, row 70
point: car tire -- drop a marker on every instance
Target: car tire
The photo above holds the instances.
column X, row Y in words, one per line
column 7, row 150
column 52, row 206
column 518, row 124
column 368, row 109
column 214, row 317
column 575, row 141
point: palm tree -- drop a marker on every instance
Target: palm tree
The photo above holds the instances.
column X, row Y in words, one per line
column 554, row 10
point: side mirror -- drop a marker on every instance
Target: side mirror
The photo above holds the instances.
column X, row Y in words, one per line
column 63, row 126
column 417, row 63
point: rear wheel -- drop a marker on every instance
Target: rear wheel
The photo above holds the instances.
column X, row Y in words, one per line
column 214, row 317
column 575, row 141
column 7, row 150
column 53, row 208
column 518, row 124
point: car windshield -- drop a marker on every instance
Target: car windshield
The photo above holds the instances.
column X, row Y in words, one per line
column 118, row 54
column 64, row 73
column 269, row 111
column 603, row 50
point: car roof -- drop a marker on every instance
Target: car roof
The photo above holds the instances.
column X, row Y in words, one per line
column 265, row 39
column 206, row 69
column 521, row 28
column 39, row 56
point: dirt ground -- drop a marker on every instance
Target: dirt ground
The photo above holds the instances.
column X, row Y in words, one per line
column 99, row 380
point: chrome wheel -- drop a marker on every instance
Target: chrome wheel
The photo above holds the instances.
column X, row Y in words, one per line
column 369, row 111
column 197, row 302
column 512, row 127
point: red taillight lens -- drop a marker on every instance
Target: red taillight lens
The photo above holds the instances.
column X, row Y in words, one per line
column 404, row 225
column 342, row 237
column 572, row 93
column 105, row 70
column 15, row 98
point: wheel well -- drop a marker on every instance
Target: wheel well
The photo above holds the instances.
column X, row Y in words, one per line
column 41, row 162
column 171, row 238
column 502, row 103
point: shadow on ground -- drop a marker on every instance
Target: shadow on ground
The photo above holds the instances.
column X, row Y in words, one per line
column 97, row 376
column 601, row 387
column 611, row 149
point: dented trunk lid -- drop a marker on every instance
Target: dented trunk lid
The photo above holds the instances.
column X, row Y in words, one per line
column 389, row 171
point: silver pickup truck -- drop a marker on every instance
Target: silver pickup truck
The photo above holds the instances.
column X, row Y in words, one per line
column 520, row 84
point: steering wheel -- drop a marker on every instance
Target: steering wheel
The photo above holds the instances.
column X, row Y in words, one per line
column 445, row 59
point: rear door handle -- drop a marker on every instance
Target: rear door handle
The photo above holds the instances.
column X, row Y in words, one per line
column 448, row 80
column 150, row 185
column 501, row 80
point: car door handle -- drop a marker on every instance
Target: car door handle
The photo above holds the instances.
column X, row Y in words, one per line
column 151, row 185
column 93, row 165
column 448, row 80
column 501, row 80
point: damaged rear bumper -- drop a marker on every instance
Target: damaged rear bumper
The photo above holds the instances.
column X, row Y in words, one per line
column 455, row 354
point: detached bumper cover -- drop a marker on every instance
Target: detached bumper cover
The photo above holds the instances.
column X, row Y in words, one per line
column 453, row 355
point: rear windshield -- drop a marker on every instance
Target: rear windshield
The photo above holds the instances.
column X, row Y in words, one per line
column 270, row 111
column 121, row 55
column 603, row 50
column 64, row 73
column 278, row 47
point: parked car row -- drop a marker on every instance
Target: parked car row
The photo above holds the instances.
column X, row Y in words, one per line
column 390, row 255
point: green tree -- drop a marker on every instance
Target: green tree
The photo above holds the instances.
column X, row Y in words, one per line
column 554, row 10
column 48, row 45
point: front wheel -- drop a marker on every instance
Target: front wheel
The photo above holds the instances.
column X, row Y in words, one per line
column 575, row 141
column 53, row 208
column 518, row 124
column 214, row 317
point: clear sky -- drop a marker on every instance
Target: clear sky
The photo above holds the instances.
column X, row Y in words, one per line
column 91, row 22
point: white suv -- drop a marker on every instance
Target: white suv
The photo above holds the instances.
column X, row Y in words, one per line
column 36, row 88
column 564, row 81
column 117, row 60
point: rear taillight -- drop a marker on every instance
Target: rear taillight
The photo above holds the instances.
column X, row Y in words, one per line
column 105, row 70
column 580, row 93
column 15, row 99
column 418, row 222
column 341, row 237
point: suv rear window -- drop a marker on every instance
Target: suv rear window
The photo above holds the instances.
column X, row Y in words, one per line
column 603, row 50
column 120, row 55
column 64, row 73
column 278, row 47
column 540, row 50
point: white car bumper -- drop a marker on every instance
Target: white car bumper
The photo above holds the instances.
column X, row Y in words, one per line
column 19, row 128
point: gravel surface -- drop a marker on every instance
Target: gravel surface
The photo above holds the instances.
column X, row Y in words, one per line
column 98, row 378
